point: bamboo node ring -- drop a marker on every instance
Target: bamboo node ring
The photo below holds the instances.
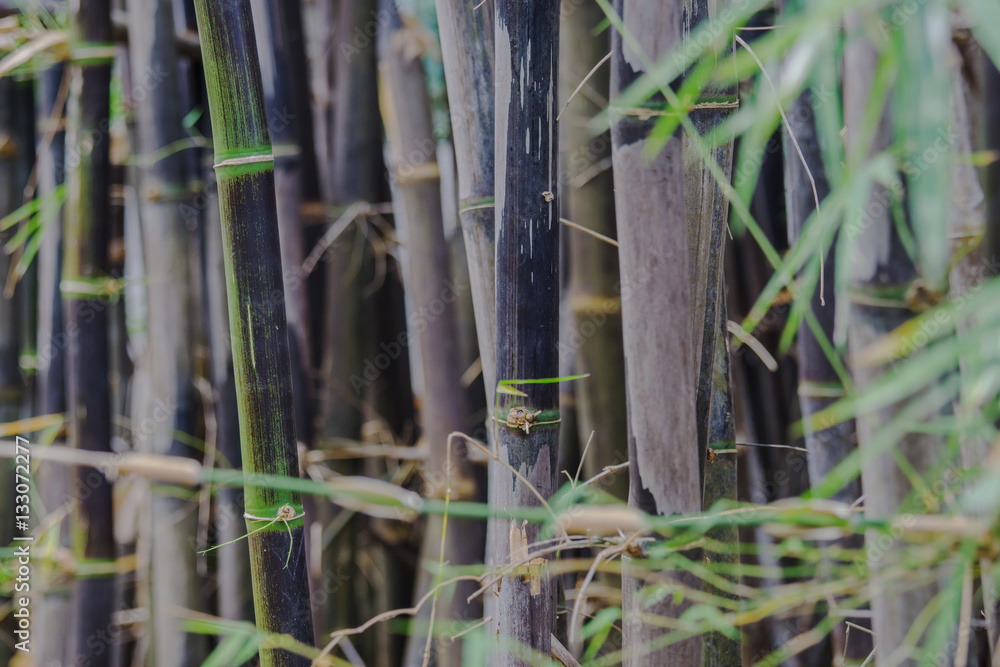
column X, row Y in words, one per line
column 244, row 159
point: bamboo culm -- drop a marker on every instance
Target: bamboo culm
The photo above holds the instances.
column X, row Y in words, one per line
column 527, row 307
column 665, row 470
column 85, row 260
column 245, row 173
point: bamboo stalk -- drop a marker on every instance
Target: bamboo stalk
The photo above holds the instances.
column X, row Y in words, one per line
column 54, row 608
column 527, row 304
column 257, row 318
column 280, row 47
column 355, row 146
column 721, row 480
column 656, row 310
column 235, row 600
column 85, row 258
column 467, row 51
column 163, row 188
column 880, row 262
column 595, row 301
column 818, row 382
column 413, row 168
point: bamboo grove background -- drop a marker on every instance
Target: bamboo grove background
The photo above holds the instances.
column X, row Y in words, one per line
column 402, row 332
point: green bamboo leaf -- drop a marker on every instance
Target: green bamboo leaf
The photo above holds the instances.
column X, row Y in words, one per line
column 924, row 135
column 57, row 196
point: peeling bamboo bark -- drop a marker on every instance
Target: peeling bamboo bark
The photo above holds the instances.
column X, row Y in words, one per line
column 656, row 311
column 527, row 305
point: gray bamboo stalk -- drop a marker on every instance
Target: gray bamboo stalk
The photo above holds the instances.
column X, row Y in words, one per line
column 467, row 46
column 595, row 301
column 467, row 50
column 169, row 407
column 527, row 307
column 656, row 309
column 414, row 172
column 881, row 265
column 53, row 607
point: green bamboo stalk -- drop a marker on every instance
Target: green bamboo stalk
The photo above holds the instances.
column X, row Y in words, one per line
column 595, row 300
column 244, row 168
column 163, row 188
column 527, row 306
column 85, row 259
column 413, row 168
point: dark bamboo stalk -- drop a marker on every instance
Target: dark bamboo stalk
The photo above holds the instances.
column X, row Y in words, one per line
column 355, row 147
column 721, row 479
column 595, row 301
column 527, row 304
column 85, row 258
column 656, row 309
column 244, row 168
column 163, row 188
column 413, row 169
column 235, row 599
column 280, row 47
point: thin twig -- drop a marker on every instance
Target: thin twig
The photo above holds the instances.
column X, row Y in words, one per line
column 582, row 83
column 754, row 344
column 596, row 235
column 392, row 613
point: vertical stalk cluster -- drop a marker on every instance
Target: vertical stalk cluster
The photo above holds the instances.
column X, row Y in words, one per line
column 414, row 172
column 85, row 268
column 245, row 172
column 527, row 308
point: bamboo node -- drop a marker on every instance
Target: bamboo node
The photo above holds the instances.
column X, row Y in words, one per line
column 244, row 159
column 524, row 418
